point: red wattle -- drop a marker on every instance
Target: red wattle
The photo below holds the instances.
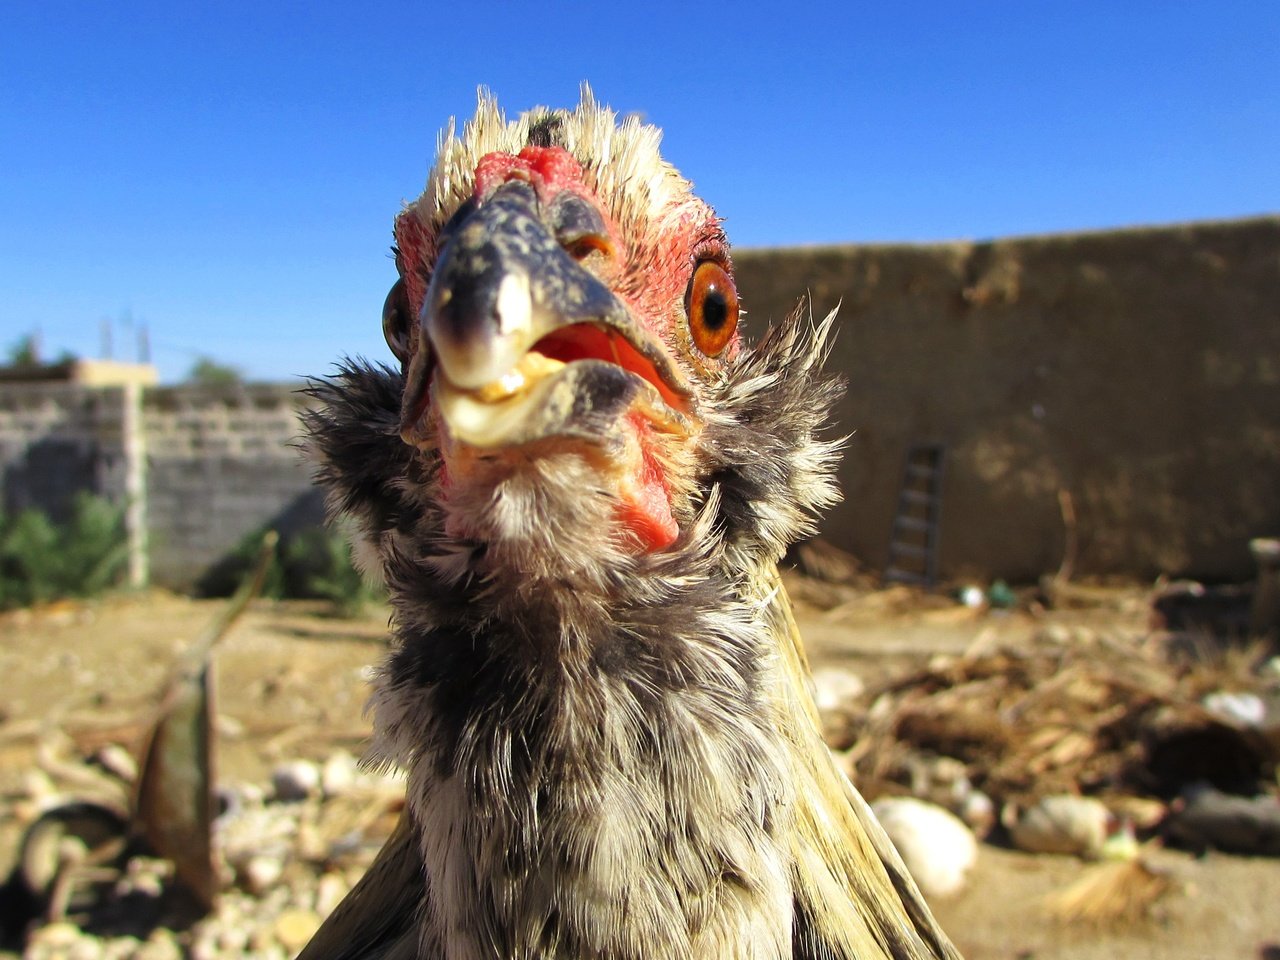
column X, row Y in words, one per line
column 645, row 508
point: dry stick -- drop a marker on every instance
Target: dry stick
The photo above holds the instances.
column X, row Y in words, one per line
column 247, row 590
column 83, row 776
column 294, row 733
column 1071, row 542
column 1052, row 585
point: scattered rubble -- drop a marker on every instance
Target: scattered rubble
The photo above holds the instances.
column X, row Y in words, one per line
column 1071, row 743
column 282, row 866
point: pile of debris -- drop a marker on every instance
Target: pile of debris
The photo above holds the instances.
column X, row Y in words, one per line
column 1148, row 726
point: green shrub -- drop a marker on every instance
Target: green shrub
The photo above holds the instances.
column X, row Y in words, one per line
column 41, row 560
column 313, row 564
column 224, row 577
column 318, row 566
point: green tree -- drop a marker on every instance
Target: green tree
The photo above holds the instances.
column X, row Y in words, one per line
column 208, row 372
column 24, row 352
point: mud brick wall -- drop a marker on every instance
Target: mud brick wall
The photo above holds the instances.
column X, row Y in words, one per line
column 1137, row 369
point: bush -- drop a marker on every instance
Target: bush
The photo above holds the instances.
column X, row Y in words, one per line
column 41, row 560
column 317, row 565
column 312, row 564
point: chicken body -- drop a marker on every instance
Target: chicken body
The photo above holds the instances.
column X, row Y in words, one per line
column 577, row 488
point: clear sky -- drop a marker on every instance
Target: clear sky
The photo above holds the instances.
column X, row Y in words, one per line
column 226, row 173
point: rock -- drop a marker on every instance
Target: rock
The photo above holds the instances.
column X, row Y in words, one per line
column 1057, row 634
column 330, row 890
column 836, row 688
column 1238, row 709
column 311, row 844
column 37, row 786
column 55, row 935
column 118, row 761
column 229, row 727
column 295, row 780
column 256, row 832
column 259, row 874
column 1204, row 818
column 937, row 848
column 161, row 945
column 294, row 928
column 1143, row 813
column 233, row 939
column 1000, row 596
column 233, row 798
column 340, row 774
column 1060, row 824
column 121, row 948
column 978, row 812
column 141, row 883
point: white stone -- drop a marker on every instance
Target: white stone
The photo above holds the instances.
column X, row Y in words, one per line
column 330, row 890
column 937, row 848
column 1238, row 709
column 60, row 934
column 119, row 762
column 261, row 873
column 293, row 928
column 978, row 811
column 340, row 774
column 295, row 780
column 836, row 688
column 1062, row 823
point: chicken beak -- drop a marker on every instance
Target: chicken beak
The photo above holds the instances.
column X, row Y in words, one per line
column 503, row 283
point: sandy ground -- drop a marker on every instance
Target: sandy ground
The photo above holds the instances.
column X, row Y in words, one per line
column 292, row 684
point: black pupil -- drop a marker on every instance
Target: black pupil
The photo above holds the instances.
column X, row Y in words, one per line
column 715, row 310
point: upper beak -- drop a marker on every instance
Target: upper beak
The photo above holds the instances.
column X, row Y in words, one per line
column 502, row 286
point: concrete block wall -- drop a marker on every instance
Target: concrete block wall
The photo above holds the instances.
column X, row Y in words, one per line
column 57, row 439
column 221, row 464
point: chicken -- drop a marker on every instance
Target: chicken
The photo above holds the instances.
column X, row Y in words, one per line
column 577, row 487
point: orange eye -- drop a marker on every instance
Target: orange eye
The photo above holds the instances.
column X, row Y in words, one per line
column 712, row 305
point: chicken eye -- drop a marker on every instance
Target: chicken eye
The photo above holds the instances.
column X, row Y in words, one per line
column 395, row 321
column 711, row 303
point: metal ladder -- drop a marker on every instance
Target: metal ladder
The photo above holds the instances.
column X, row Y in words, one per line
column 913, row 544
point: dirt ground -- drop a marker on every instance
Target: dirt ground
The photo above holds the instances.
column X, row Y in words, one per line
column 292, row 682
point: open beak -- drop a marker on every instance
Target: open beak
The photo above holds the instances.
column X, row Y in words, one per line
column 519, row 342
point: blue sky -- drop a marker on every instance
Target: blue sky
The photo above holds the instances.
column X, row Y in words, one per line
column 226, row 174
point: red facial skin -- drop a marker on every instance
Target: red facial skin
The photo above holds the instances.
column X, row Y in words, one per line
column 646, row 513
column 649, row 271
